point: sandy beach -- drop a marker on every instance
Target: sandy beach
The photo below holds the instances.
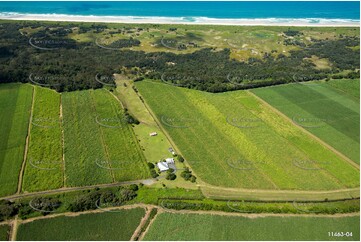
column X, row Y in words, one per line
column 184, row 20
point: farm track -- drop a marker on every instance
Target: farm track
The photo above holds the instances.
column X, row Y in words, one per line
column 255, row 192
column 70, row 189
column 74, row 214
column 280, row 195
column 26, row 144
column 162, row 210
column 15, row 223
column 141, row 237
column 62, row 139
column 13, row 229
column 141, row 224
column 351, row 162
column 252, row 215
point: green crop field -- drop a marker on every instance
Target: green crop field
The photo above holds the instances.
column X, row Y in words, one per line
column 349, row 87
column 100, row 146
column 216, row 227
column 232, row 139
column 15, row 106
column 44, row 167
column 323, row 110
column 4, row 232
column 114, row 225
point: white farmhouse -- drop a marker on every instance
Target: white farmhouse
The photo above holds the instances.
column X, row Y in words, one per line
column 166, row 165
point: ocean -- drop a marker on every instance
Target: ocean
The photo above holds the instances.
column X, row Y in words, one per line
column 312, row 11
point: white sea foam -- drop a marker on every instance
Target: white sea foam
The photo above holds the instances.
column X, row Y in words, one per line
column 183, row 20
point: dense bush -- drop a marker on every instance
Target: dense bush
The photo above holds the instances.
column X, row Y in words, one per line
column 45, row 205
column 130, row 119
column 259, row 207
column 7, row 209
column 92, row 200
column 153, row 173
column 187, row 175
column 150, row 165
column 180, row 158
column 170, row 176
column 74, row 65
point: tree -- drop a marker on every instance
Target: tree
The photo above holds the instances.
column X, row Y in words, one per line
column 150, row 165
column 7, row 209
column 180, row 158
column 171, row 176
column 127, row 195
column 153, row 173
column 134, row 187
column 187, row 175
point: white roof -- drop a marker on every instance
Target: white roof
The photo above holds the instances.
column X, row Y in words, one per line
column 163, row 166
column 169, row 160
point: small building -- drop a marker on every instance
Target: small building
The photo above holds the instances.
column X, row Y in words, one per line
column 169, row 160
column 153, row 134
column 163, row 166
column 170, row 149
column 166, row 165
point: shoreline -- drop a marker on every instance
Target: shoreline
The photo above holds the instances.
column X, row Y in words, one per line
column 304, row 22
